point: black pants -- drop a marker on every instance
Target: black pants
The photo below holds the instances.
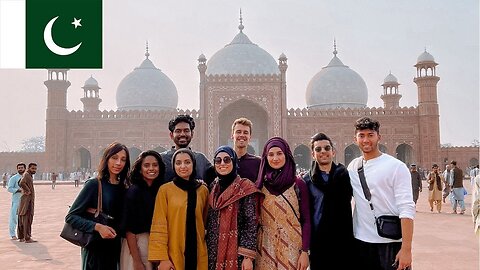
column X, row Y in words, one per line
column 376, row 256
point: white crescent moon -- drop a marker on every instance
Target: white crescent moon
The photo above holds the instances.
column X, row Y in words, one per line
column 51, row 45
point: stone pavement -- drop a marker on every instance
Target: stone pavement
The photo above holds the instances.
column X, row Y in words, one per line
column 441, row 241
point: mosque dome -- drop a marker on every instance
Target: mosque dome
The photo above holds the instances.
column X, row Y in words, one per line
column 425, row 57
column 146, row 88
column 336, row 86
column 240, row 57
column 91, row 82
column 390, row 79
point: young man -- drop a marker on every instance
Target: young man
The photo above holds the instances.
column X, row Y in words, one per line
column 181, row 132
column 457, row 188
column 330, row 202
column 389, row 182
column 435, row 182
column 16, row 191
column 26, row 207
column 416, row 182
column 248, row 164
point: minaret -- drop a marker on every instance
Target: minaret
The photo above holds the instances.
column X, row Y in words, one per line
column 282, row 66
column 56, row 123
column 390, row 96
column 429, row 126
column 202, row 68
column 91, row 95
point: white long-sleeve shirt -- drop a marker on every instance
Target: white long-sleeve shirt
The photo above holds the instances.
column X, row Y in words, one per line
column 390, row 184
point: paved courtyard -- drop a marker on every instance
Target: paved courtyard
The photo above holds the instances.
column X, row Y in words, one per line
column 441, row 241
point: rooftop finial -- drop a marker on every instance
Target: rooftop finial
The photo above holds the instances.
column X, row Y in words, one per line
column 241, row 22
column 147, row 54
column 335, row 47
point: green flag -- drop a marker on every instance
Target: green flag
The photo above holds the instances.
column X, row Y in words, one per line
column 63, row 33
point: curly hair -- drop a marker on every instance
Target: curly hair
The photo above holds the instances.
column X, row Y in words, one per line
column 181, row 118
column 135, row 175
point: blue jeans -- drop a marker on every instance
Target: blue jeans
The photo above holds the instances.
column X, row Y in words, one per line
column 13, row 220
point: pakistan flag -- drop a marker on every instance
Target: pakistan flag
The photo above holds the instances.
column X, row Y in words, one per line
column 63, row 33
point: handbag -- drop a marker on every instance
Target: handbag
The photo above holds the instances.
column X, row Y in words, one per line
column 388, row 226
column 82, row 238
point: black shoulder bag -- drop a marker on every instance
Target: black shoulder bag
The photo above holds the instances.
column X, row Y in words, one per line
column 387, row 226
column 81, row 238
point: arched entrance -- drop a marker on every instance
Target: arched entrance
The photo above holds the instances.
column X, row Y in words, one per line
column 473, row 162
column 82, row 159
column 250, row 110
column 302, row 156
column 404, row 153
column 351, row 152
column 382, row 148
column 134, row 152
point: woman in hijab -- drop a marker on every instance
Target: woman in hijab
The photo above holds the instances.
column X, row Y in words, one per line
column 177, row 236
column 232, row 220
column 285, row 214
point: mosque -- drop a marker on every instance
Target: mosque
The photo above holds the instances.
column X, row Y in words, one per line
column 242, row 80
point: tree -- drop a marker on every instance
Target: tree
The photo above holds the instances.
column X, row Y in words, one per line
column 33, row 144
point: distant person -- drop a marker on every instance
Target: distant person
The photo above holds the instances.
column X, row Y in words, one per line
column 54, row 180
column 104, row 252
column 284, row 212
column 177, row 236
column 416, row 182
column 390, row 184
column 248, row 164
column 181, row 132
column 27, row 205
column 473, row 173
column 145, row 178
column 16, row 191
column 435, row 181
column 457, row 189
column 4, row 180
column 476, row 206
column 448, row 181
column 330, row 202
column 76, row 179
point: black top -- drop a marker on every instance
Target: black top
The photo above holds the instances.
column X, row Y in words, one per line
column 139, row 205
column 248, row 166
column 204, row 169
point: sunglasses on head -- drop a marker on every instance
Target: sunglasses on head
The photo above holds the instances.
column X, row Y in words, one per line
column 319, row 148
column 226, row 160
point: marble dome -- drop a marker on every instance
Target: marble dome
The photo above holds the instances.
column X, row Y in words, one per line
column 425, row 57
column 91, row 82
column 242, row 57
column 146, row 88
column 390, row 79
column 336, row 86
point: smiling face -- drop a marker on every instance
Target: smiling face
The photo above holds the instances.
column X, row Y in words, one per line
column 116, row 163
column 182, row 135
column 183, row 165
column 150, row 169
column 225, row 166
column 241, row 136
column 276, row 158
column 323, row 152
column 367, row 140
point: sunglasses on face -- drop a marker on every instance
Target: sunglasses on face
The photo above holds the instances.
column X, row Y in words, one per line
column 319, row 148
column 226, row 160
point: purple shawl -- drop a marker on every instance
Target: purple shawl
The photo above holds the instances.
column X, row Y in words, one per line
column 276, row 181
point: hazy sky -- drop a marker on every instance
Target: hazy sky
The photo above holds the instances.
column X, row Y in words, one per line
column 373, row 37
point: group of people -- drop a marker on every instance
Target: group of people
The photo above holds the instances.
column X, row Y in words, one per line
column 175, row 210
column 441, row 185
column 23, row 203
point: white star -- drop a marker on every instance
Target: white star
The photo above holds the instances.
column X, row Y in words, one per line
column 76, row 22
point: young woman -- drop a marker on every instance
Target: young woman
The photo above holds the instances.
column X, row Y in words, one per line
column 145, row 179
column 177, row 236
column 112, row 171
column 232, row 221
column 285, row 215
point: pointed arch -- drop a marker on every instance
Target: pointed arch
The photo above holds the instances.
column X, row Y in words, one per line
column 302, row 156
column 351, row 152
column 404, row 153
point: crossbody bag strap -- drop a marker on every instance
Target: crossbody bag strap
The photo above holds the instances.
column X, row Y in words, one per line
column 363, row 181
column 291, row 206
column 99, row 200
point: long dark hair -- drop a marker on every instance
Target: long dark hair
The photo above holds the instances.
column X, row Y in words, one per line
column 112, row 149
column 135, row 176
